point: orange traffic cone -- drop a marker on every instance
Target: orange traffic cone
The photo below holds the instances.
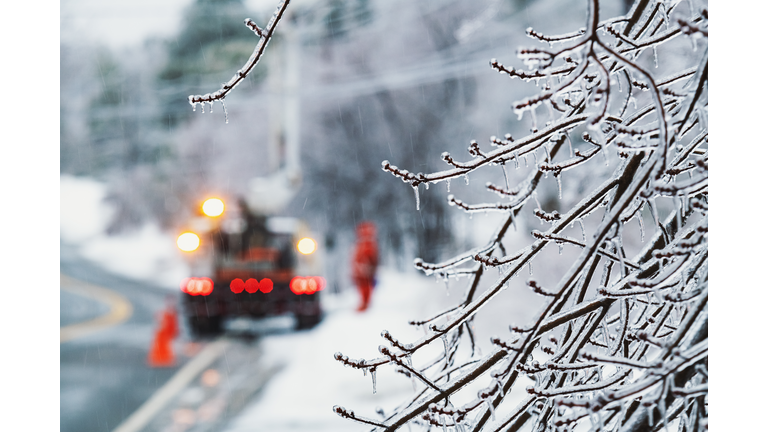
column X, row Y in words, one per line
column 161, row 352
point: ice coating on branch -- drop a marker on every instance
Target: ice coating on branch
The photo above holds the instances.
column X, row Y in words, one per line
column 444, row 338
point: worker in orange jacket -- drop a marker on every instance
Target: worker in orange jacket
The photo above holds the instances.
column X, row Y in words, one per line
column 364, row 262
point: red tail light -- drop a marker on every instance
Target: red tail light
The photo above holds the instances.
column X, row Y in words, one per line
column 251, row 285
column 237, row 286
column 307, row 285
column 266, row 285
column 197, row 286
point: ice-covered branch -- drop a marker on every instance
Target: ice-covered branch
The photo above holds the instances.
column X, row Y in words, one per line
column 265, row 35
column 605, row 314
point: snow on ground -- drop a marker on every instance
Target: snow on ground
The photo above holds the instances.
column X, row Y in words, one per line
column 300, row 397
column 145, row 254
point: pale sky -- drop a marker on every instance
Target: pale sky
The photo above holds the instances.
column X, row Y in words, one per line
column 123, row 23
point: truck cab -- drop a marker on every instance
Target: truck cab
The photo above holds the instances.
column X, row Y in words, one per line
column 249, row 265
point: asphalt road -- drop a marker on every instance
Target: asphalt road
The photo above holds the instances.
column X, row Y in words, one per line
column 107, row 325
column 103, row 358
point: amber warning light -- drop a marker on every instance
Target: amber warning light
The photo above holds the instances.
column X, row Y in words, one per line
column 188, row 241
column 306, row 246
column 213, row 207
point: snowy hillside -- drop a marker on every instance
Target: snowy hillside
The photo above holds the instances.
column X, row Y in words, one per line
column 146, row 254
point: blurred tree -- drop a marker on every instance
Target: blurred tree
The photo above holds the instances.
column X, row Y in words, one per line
column 343, row 16
column 114, row 136
column 213, row 42
column 408, row 123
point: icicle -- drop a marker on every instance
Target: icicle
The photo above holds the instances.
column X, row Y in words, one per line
column 202, row 107
column 570, row 144
column 583, row 231
column 516, row 156
column 457, row 425
column 426, row 185
column 559, row 248
column 416, row 193
column 703, row 121
column 642, row 228
column 506, row 180
column 226, row 116
column 559, row 187
column 447, row 291
column 445, row 428
column 530, row 268
column 526, row 160
column 655, row 58
column 536, row 159
column 650, row 415
column 551, row 111
column 617, row 248
column 373, row 379
column 448, row 185
column 194, row 107
column 410, row 365
column 536, row 198
column 654, row 213
column 466, row 179
column 445, row 347
column 604, row 278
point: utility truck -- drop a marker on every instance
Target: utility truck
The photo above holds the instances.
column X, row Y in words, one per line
column 247, row 265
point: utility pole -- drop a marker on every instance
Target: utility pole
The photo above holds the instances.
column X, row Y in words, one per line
column 270, row 194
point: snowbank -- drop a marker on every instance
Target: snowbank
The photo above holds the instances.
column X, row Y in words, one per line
column 145, row 254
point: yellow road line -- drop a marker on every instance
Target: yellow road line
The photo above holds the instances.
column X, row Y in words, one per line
column 120, row 308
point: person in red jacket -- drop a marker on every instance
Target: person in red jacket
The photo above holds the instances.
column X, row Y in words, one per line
column 364, row 262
